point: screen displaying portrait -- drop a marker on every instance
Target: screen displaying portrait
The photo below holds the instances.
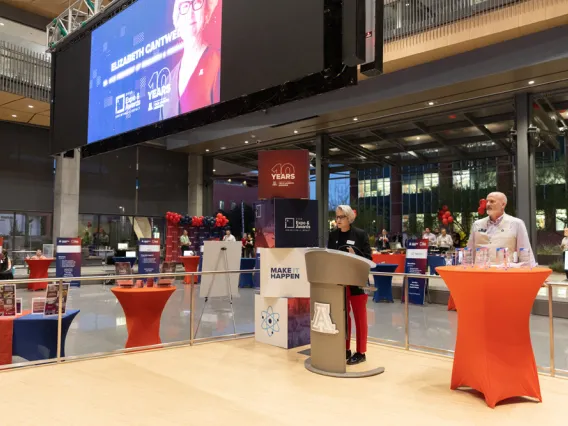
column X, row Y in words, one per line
column 154, row 61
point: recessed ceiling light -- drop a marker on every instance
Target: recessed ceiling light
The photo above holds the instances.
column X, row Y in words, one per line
column 206, row 150
column 355, row 119
column 252, row 136
column 30, row 106
column 14, row 115
column 417, row 138
column 228, row 180
column 246, row 142
column 531, row 82
column 431, row 103
column 295, row 132
column 214, row 170
column 223, row 147
column 244, row 182
column 1, row 24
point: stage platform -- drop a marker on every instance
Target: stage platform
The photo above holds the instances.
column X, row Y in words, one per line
column 246, row 383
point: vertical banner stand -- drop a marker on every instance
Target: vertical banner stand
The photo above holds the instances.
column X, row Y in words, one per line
column 222, row 256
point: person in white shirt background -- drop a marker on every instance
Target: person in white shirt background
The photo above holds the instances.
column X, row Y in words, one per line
column 564, row 247
column 228, row 236
column 432, row 240
column 445, row 241
column 499, row 230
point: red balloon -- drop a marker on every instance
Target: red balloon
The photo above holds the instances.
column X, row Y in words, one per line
column 444, row 208
column 445, row 221
column 219, row 215
column 450, row 219
column 447, row 214
column 484, row 204
column 481, row 210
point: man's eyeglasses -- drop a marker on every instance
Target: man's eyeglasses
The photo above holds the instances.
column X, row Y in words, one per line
column 340, row 217
column 184, row 6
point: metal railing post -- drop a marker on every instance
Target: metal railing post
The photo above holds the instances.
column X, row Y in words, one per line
column 551, row 330
column 192, row 309
column 59, row 320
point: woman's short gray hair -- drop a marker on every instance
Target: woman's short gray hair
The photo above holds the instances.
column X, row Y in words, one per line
column 348, row 211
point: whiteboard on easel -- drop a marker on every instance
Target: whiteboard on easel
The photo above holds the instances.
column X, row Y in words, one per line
column 221, row 256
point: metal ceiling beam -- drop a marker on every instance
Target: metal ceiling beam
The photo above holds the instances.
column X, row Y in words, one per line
column 551, row 131
column 487, row 133
column 358, row 150
column 399, row 145
column 422, row 127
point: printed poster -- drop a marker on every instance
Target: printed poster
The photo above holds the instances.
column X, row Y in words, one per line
column 52, row 299
column 68, row 259
column 38, row 305
column 416, row 263
column 8, row 300
column 148, row 256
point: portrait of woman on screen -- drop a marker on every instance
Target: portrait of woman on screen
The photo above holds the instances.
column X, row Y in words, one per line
column 196, row 79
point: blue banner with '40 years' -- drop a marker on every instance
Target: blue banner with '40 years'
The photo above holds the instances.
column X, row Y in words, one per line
column 68, row 259
column 416, row 263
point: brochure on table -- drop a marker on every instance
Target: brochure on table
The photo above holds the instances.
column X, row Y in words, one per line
column 283, row 272
column 416, row 263
column 8, row 300
column 52, row 299
column 38, row 305
column 68, row 259
column 221, row 256
column 124, row 268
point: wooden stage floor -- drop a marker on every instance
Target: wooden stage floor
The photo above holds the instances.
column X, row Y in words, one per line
column 244, row 383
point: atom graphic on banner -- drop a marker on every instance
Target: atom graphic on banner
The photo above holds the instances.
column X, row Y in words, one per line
column 270, row 321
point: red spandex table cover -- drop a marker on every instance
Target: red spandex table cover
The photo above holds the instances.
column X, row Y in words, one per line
column 6, row 335
column 143, row 309
column 190, row 264
column 399, row 259
column 38, row 269
column 493, row 352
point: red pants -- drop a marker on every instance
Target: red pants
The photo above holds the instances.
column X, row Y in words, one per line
column 359, row 305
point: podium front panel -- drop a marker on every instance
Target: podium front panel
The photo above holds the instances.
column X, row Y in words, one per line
column 328, row 349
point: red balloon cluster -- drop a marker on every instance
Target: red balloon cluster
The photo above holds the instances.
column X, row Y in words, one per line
column 482, row 206
column 221, row 221
column 197, row 221
column 173, row 218
column 445, row 215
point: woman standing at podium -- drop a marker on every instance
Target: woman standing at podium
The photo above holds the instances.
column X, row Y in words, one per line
column 355, row 241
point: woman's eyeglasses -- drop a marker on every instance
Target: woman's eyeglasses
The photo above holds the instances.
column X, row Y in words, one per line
column 340, row 217
column 184, row 6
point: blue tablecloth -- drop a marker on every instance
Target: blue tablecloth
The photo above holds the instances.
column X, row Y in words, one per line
column 256, row 277
column 434, row 262
column 383, row 283
column 245, row 280
column 199, row 268
column 35, row 335
column 132, row 260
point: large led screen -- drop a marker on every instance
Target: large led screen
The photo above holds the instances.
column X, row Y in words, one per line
column 153, row 61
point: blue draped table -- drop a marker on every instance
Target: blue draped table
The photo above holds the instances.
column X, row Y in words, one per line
column 256, row 277
column 245, row 279
column 434, row 262
column 35, row 335
column 383, row 283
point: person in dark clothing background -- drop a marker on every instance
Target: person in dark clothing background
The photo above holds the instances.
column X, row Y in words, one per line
column 355, row 241
column 5, row 266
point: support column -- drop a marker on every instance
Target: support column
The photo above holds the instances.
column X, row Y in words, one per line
column 66, row 195
column 353, row 187
column 322, row 187
column 505, row 177
column 525, row 167
column 208, row 187
column 195, row 185
column 395, row 200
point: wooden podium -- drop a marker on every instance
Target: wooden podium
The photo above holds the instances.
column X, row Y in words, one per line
column 329, row 271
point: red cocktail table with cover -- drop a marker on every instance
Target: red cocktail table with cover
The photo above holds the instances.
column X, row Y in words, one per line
column 38, row 269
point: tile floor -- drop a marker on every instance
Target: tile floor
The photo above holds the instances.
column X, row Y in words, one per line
column 101, row 324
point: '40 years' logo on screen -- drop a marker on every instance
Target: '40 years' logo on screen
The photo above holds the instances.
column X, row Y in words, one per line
column 159, row 89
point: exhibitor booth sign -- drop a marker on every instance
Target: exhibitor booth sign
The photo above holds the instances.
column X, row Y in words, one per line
column 68, row 259
column 284, row 174
column 296, row 223
column 283, row 273
column 416, row 263
column 148, row 255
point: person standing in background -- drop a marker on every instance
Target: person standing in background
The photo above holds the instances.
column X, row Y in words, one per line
column 184, row 242
column 445, row 241
column 383, row 241
column 431, row 237
column 5, row 266
column 228, row 236
column 250, row 246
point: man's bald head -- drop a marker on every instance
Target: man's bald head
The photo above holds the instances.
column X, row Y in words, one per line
column 496, row 203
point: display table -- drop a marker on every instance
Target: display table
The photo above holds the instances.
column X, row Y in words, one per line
column 435, row 262
column 493, row 351
column 122, row 259
column 245, row 280
column 143, row 309
column 6, row 336
column 38, row 269
column 383, row 283
column 35, row 335
column 398, row 259
column 190, row 264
